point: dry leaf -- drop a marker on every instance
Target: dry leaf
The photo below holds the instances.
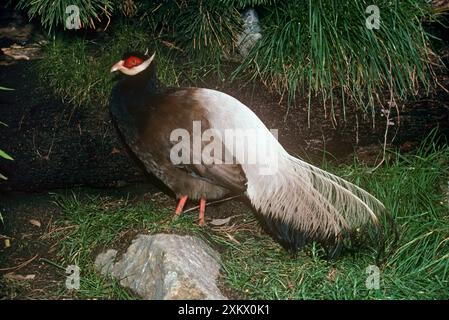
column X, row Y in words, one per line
column 115, row 151
column 220, row 222
column 171, row 45
column 232, row 238
column 332, row 274
column 19, row 277
column 35, row 222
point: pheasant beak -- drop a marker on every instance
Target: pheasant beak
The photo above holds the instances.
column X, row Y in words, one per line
column 117, row 66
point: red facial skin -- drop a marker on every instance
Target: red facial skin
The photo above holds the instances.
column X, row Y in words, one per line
column 132, row 61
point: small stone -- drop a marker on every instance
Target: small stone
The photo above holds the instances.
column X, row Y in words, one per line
column 251, row 32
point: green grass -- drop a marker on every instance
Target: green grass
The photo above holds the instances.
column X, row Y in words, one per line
column 204, row 30
column 3, row 154
column 255, row 267
column 78, row 70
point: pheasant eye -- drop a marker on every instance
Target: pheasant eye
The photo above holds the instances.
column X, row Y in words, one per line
column 132, row 62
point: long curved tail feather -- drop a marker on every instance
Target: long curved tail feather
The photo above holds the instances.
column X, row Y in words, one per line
column 303, row 203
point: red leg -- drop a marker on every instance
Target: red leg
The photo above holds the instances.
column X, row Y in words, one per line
column 202, row 209
column 181, row 204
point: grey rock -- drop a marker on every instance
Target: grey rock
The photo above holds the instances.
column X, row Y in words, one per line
column 251, row 32
column 105, row 261
column 166, row 267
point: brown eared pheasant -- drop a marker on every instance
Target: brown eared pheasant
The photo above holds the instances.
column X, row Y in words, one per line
column 204, row 144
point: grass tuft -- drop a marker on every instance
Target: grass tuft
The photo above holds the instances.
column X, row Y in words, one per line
column 53, row 14
column 323, row 49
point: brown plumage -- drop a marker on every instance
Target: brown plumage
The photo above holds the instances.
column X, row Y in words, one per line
column 297, row 202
